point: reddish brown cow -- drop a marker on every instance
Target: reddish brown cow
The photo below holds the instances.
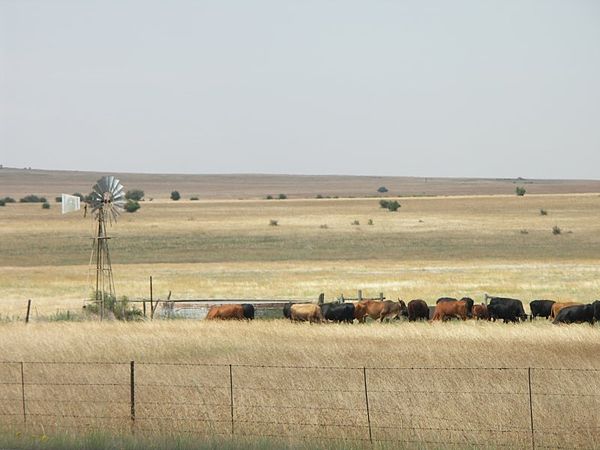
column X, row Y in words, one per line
column 556, row 307
column 480, row 312
column 377, row 309
column 446, row 310
column 226, row 312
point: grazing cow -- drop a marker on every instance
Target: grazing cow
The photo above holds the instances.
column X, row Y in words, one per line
column 417, row 310
column 507, row 309
column 575, row 314
column 469, row 302
column 377, row 309
column 560, row 305
column 596, row 309
column 306, row 312
column 541, row 308
column 248, row 311
column 225, row 312
column 480, row 312
column 445, row 310
column 338, row 312
column 287, row 311
column 431, row 312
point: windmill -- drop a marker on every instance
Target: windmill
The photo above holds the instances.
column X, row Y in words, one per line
column 106, row 202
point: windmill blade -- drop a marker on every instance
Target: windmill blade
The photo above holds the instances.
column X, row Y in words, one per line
column 112, row 184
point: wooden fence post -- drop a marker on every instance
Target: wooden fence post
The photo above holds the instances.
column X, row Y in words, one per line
column 359, row 295
column 381, row 297
column 531, row 408
column 367, row 404
column 23, row 392
column 28, row 311
column 151, row 305
column 231, row 396
column 132, row 392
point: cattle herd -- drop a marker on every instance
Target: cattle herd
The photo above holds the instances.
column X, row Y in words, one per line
column 446, row 308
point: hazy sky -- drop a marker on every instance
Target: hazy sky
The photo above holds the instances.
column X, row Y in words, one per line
column 427, row 88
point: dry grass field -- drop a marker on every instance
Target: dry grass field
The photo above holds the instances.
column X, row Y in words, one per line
column 433, row 246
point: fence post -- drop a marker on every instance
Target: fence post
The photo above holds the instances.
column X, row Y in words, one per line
column 28, row 310
column 23, row 393
column 531, row 408
column 231, row 395
column 132, row 392
column 381, row 297
column 359, row 295
column 151, row 304
column 367, row 404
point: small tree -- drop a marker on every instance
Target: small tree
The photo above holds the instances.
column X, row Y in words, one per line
column 382, row 190
column 269, row 197
column 9, row 200
column 46, row 205
column 2, row 202
column 135, row 195
column 384, row 203
column 175, row 195
column 282, row 196
column 520, row 190
column 132, row 206
column 393, row 206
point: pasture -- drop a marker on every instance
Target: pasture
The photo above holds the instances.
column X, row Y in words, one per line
column 432, row 247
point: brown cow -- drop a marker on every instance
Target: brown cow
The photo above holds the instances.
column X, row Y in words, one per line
column 558, row 306
column 377, row 309
column 226, row 312
column 480, row 312
column 306, row 312
column 446, row 310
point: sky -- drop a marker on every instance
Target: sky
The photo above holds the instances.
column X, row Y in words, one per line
column 457, row 88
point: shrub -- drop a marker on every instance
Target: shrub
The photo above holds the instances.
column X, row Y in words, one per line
column 175, row 195
column 524, row 231
column 120, row 308
column 556, row 230
column 324, row 226
column 282, row 196
column 520, row 191
column 384, row 203
column 543, row 212
column 58, row 199
column 2, row 202
column 269, row 197
column 370, row 222
column 319, row 196
column 46, row 205
column 132, row 206
column 32, row 199
column 273, row 222
column 356, row 222
column 393, row 206
column 382, row 190
column 194, row 198
column 135, row 195
column 9, row 200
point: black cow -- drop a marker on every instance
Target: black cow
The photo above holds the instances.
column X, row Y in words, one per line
column 469, row 301
column 431, row 312
column 287, row 311
column 248, row 311
column 596, row 305
column 338, row 312
column 507, row 309
column 576, row 314
column 541, row 308
column 417, row 310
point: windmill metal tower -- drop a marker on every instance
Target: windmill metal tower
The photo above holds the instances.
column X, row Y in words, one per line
column 107, row 201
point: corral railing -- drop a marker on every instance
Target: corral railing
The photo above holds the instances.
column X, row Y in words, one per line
column 404, row 406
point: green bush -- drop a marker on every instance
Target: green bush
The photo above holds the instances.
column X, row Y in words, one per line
column 175, row 195
column 273, row 222
column 194, row 198
column 46, row 205
column 132, row 206
column 58, row 199
column 556, row 230
column 135, row 195
column 520, row 191
column 122, row 309
column 384, row 203
column 282, row 196
column 269, row 197
column 2, row 202
column 393, row 206
column 370, row 222
column 32, row 199
column 319, row 196
column 9, row 200
column 543, row 212
column 355, row 222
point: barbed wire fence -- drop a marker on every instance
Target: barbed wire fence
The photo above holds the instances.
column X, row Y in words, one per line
column 404, row 406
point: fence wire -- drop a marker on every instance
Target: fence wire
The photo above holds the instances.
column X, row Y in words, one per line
column 424, row 406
